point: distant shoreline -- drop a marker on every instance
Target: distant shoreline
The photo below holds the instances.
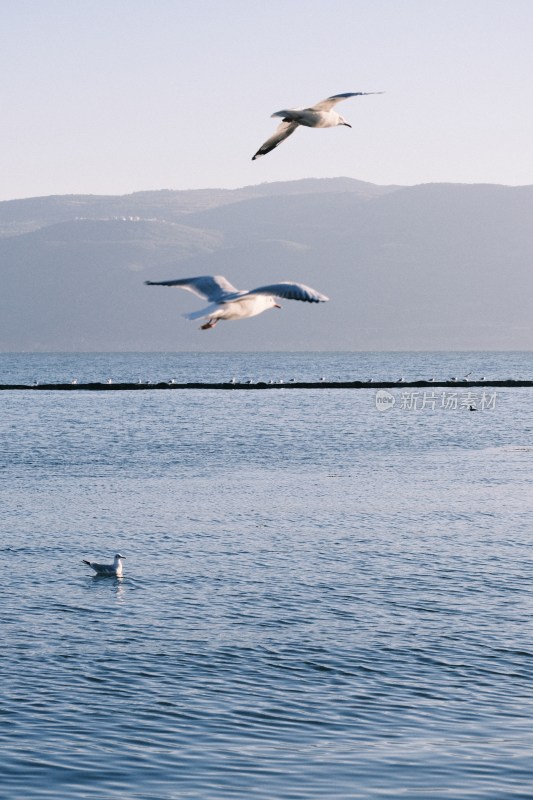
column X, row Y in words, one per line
column 127, row 387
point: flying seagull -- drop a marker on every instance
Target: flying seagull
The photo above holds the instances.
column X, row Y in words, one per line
column 317, row 116
column 111, row 570
column 227, row 302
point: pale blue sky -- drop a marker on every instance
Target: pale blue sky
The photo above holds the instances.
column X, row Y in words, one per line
column 116, row 96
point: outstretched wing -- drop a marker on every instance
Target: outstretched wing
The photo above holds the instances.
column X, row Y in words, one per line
column 284, row 129
column 211, row 287
column 291, row 291
column 329, row 102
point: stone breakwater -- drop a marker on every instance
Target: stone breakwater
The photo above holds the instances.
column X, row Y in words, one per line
column 122, row 387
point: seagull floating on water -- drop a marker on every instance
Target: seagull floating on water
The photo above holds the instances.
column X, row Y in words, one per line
column 317, row 116
column 229, row 303
column 113, row 570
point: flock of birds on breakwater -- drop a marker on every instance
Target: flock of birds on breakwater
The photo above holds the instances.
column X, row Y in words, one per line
column 271, row 381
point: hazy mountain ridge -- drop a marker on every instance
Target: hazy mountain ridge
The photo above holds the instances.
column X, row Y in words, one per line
column 23, row 216
column 435, row 266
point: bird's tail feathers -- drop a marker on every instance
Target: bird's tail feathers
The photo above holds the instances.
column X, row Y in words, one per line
column 203, row 312
column 287, row 114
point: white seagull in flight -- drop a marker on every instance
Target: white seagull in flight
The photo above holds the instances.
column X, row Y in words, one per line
column 317, row 116
column 227, row 302
column 113, row 570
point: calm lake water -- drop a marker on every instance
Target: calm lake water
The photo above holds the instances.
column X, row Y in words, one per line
column 321, row 600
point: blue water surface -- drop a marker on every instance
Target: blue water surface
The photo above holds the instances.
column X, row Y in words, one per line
column 320, row 600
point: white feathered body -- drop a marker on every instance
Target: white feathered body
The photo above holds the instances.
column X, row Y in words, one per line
column 249, row 306
column 111, row 570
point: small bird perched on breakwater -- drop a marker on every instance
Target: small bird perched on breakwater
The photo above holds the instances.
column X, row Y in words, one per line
column 229, row 303
column 113, row 570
